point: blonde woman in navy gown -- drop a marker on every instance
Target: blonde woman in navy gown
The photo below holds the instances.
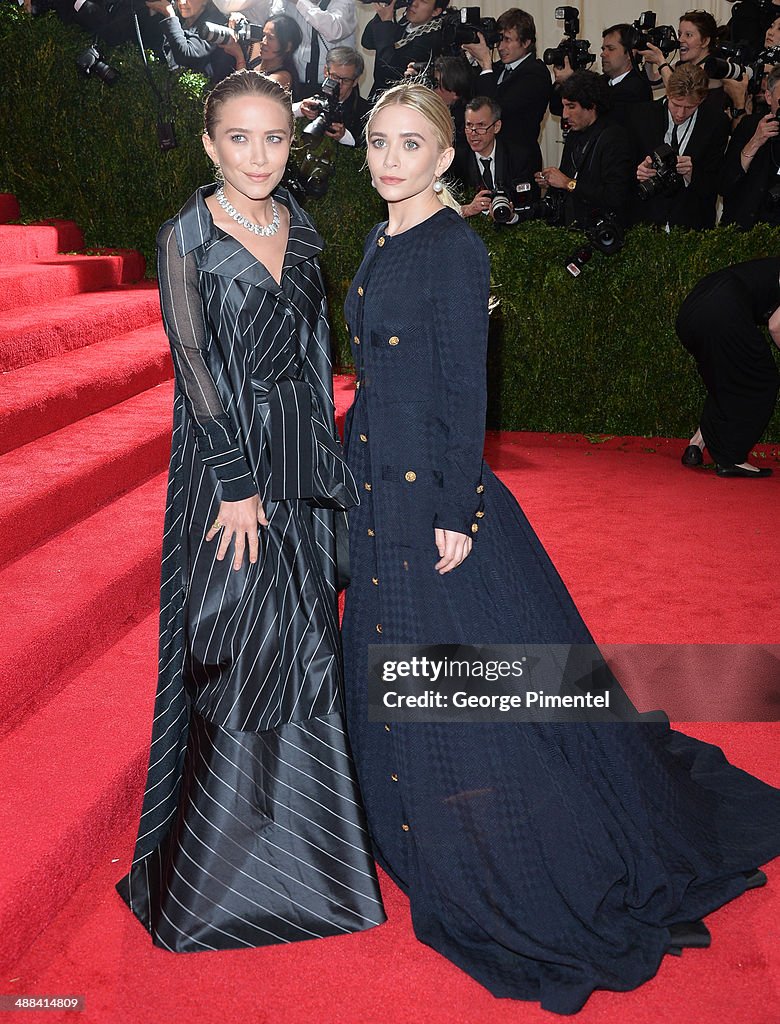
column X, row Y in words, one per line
column 252, row 831
column 545, row 859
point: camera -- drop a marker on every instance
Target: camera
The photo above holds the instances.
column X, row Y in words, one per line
column 666, row 180
column 465, row 25
column 733, row 62
column 501, row 208
column 424, row 73
column 644, row 31
column 244, row 31
column 605, row 235
column 327, row 99
column 577, row 50
column 310, row 167
column 90, row 64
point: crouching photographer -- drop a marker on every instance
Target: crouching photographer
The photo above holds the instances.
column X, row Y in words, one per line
column 681, row 141
column 337, row 109
column 500, row 176
column 595, row 177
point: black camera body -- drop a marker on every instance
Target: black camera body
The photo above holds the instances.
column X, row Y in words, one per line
column 465, row 25
column 90, row 64
column 644, row 31
column 331, row 111
column 666, row 181
column 733, row 62
column 577, row 50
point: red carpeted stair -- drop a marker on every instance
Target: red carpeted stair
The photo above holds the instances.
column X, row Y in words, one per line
column 650, row 551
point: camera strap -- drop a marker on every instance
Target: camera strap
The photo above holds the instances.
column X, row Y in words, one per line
column 313, row 67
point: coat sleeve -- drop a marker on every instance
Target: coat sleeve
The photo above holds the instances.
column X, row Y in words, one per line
column 460, row 311
column 185, row 325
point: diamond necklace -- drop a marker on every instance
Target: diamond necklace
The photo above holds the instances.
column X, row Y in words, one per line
column 256, row 229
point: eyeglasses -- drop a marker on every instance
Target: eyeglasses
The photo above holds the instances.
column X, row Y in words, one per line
column 341, row 78
column 478, row 129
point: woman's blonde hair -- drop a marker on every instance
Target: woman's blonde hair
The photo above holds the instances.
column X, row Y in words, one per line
column 416, row 96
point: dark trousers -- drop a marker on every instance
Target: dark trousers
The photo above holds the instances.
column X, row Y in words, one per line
column 717, row 326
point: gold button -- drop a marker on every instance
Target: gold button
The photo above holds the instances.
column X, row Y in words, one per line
column 410, row 476
column 392, row 341
column 363, row 438
column 375, row 581
column 405, row 827
column 370, row 532
column 394, row 777
column 360, row 289
column 480, row 489
column 367, row 486
column 380, row 241
column 474, row 527
column 379, row 627
column 356, row 340
column 387, row 727
column 480, row 515
column 406, row 565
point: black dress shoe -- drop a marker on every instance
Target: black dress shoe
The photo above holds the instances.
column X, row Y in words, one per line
column 692, row 456
column 741, row 471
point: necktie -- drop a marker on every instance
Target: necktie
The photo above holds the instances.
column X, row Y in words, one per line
column 505, row 73
column 675, row 143
column 487, row 177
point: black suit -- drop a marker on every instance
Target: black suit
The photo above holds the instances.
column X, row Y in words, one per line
column 523, row 97
column 422, row 45
column 694, row 206
column 744, row 193
column 600, row 158
column 511, row 167
column 634, row 88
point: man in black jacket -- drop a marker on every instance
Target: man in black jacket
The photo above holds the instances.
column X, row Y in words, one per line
column 596, row 173
column 416, row 38
column 344, row 66
column 618, row 63
column 520, row 81
column 750, row 180
column 698, row 133
column 485, row 165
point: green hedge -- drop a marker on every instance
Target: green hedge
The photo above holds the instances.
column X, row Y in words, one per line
column 593, row 355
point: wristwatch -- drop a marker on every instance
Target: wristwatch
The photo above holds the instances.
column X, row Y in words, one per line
column 572, row 185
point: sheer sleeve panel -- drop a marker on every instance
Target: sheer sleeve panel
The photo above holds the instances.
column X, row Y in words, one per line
column 187, row 332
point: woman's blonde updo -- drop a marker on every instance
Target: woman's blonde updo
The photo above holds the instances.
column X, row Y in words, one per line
column 416, row 96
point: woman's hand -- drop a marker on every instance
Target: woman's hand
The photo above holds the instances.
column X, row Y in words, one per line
column 453, row 548
column 238, row 521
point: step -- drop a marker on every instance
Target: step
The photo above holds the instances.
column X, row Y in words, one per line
column 9, row 208
column 28, row 335
column 56, row 480
column 49, row 394
column 20, row 243
column 87, row 751
column 75, row 593
column 59, row 276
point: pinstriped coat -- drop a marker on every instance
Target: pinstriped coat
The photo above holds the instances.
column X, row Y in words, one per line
column 252, row 831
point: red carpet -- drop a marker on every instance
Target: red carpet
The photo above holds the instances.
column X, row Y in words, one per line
column 651, row 552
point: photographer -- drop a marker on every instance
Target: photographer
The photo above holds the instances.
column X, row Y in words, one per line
column 750, row 180
column 596, row 173
column 416, row 38
column 520, row 82
column 686, row 191
column 698, row 35
column 345, row 109
column 619, row 67
column 183, row 46
column 486, row 165
column 452, row 81
column 323, row 25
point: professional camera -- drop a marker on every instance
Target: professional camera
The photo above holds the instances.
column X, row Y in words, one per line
column 666, row 180
column 605, row 235
column 90, row 64
column 501, row 207
column 327, row 99
column 733, row 62
column 550, row 209
column 644, row 31
column 577, row 50
column 243, row 31
column 424, row 73
column 465, row 25
column 310, row 167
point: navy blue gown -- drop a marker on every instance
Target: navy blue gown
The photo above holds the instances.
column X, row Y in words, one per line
column 545, row 859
